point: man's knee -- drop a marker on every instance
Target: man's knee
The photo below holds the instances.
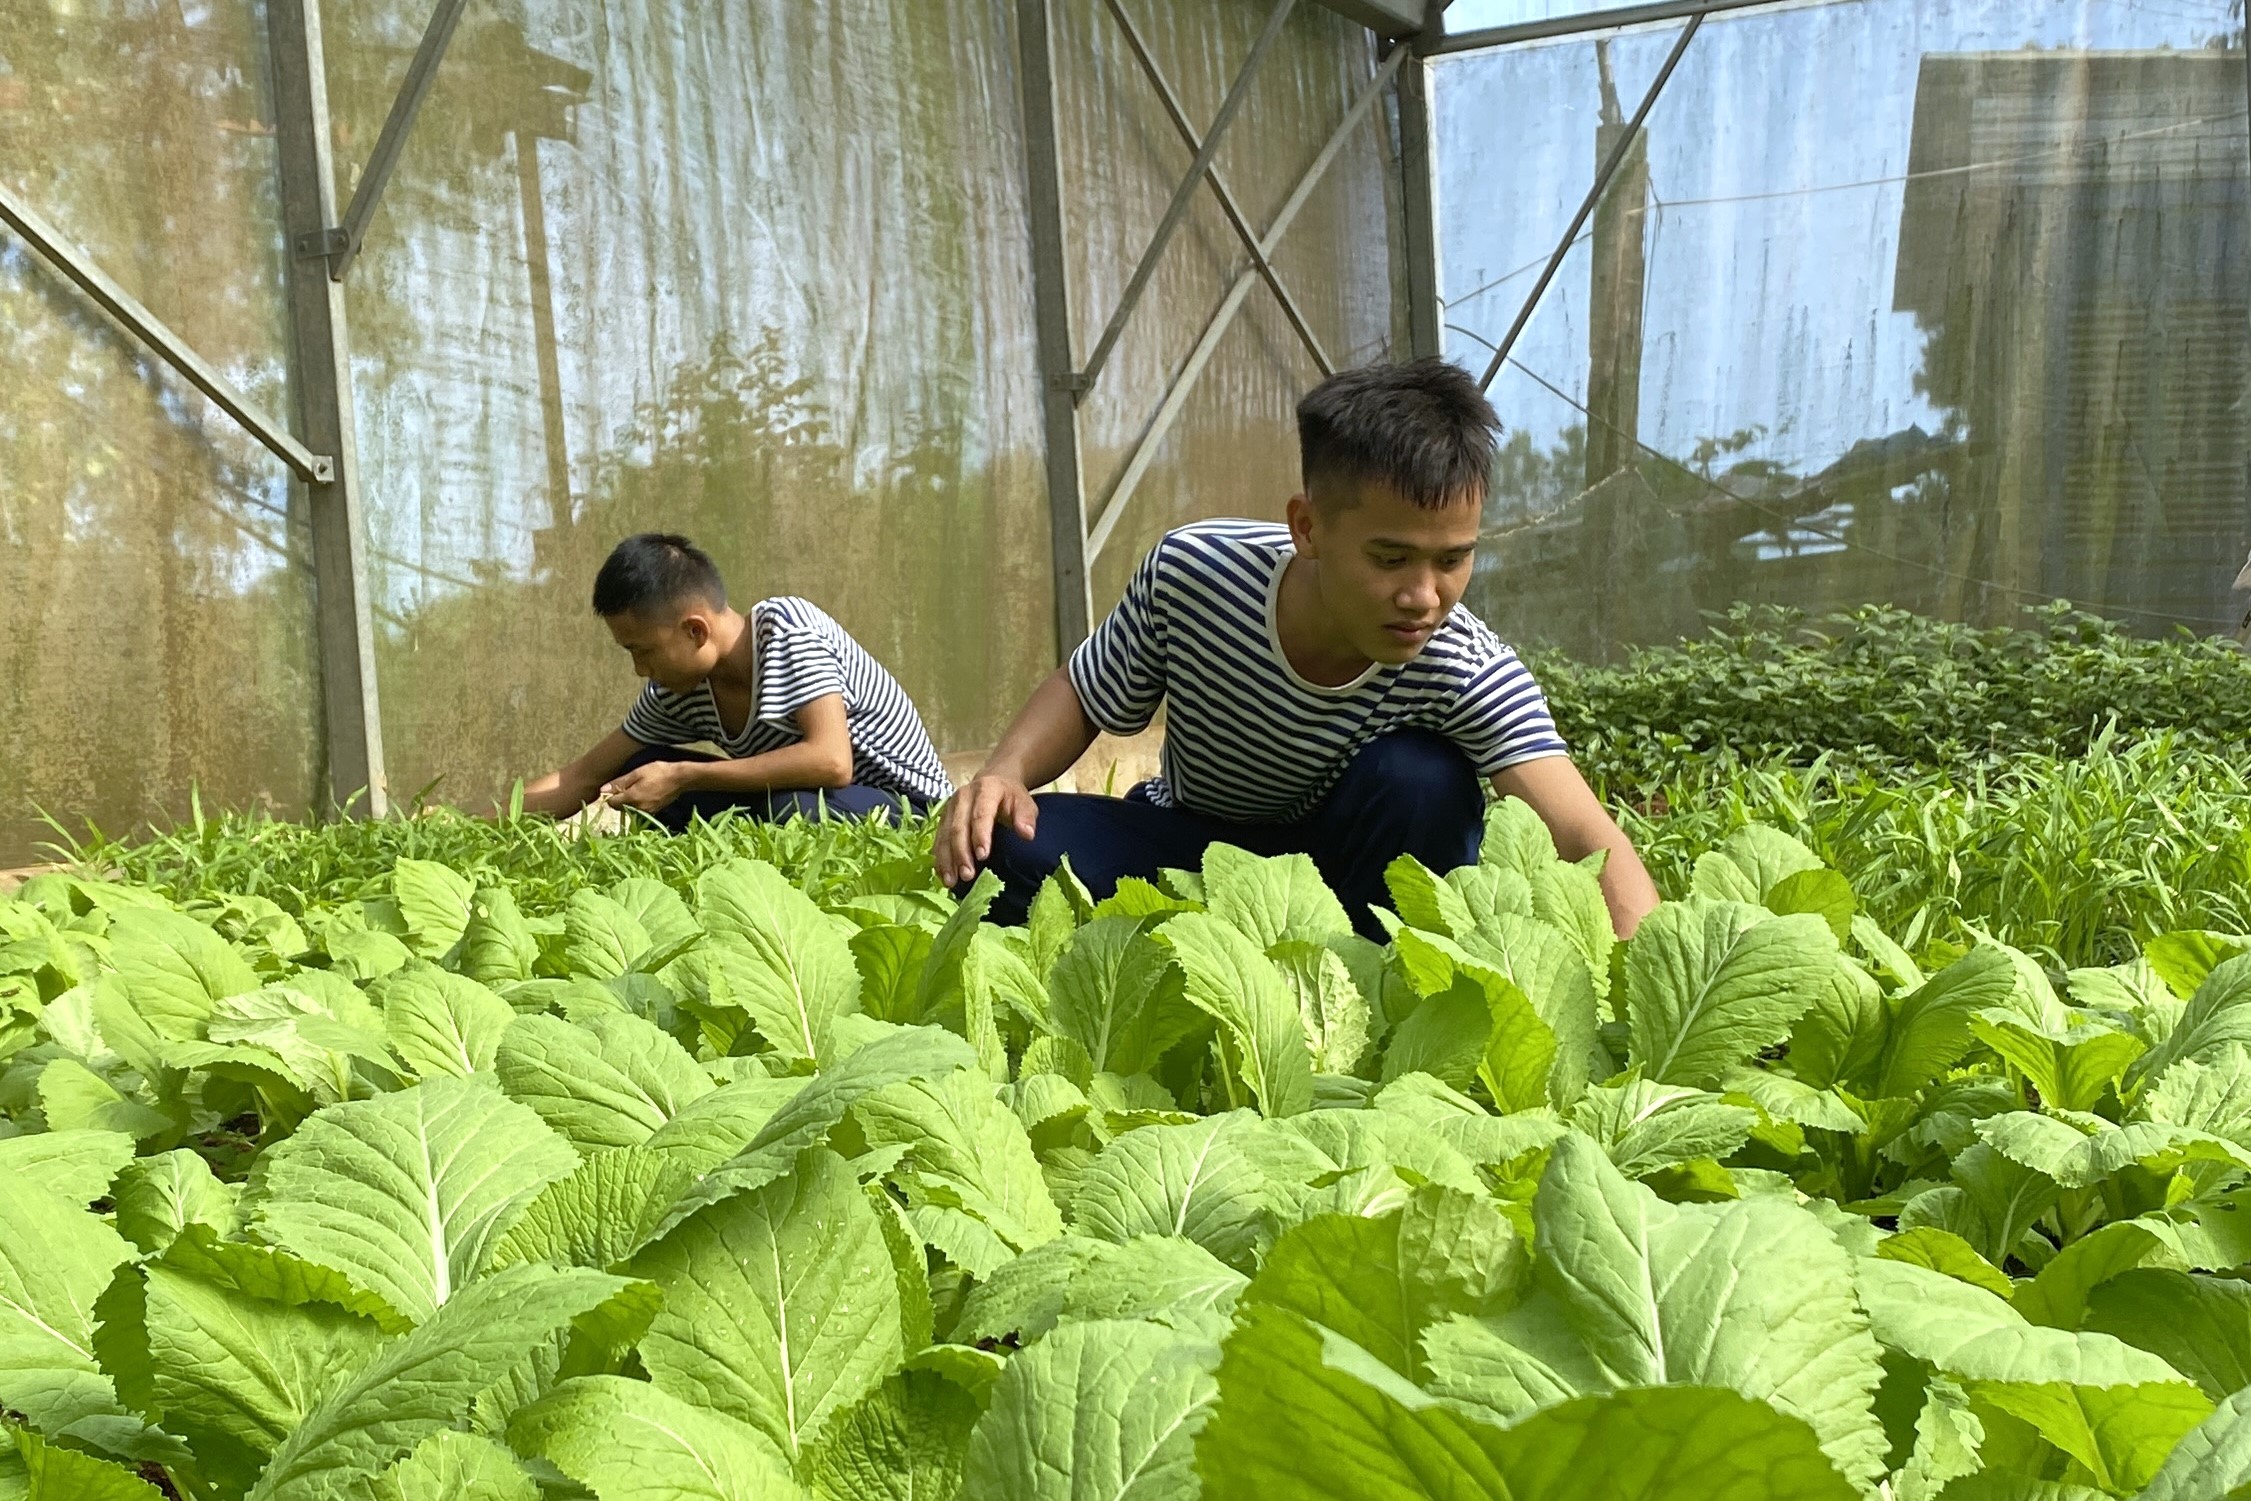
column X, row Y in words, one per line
column 1420, row 765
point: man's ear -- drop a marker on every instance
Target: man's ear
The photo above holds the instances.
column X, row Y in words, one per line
column 1300, row 516
column 698, row 627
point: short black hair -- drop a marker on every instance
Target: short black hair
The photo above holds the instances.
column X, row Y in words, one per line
column 1422, row 429
column 653, row 571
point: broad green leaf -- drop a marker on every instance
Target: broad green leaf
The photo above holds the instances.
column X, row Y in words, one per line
column 1885, row 955
column 890, row 958
column 966, row 1155
column 55, row 1260
column 2217, row 1018
column 1647, row 1127
column 1788, row 1099
column 609, row 1081
column 2071, row 1067
column 173, row 968
column 434, row 900
column 1568, row 898
column 781, row 1306
column 158, row 1197
column 600, row 1215
column 1330, row 1007
column 1930, row 1025
column 2212, row 1096
column 1553, row 975
column 2200, row 1326
column 1754, row 1295
column 1709, row 984
column 1115, row 993
column 49, row 1472
column 806, row 1118
column 1195, row 1181
column 785, row 963
column 1232, row 981
column 1099, row 1411
column 1768, row 856
column 2185, row 960
column 1446, row 1035
column 1944, row 1251
column 253, row 1271
column 600, row 938
column 1426, row 900
column 714, row 1127
column 630, row 1441
column 1330, row 1142
column 426, row 1379
column 1824, row 893
column 406, row 1193
column 72, row 1165
column 2114, row 1409
column 497, row 945
column 1992, row 1202
column 1025, row 1298
column 1948, row 1435
column 1161, row 1277
column 2132, row 988
column 2058, row 1296
column 2078, row 1156
column 448, row 1465
column 1842, row 1034
column 2213, row 1461
column 1271, row 899
column 907, row 1441
column 659, row 911
column 1381, row 1282
column 75, row 1098
column 318, row 1040
column 440, row 1023
column 1304, row 1413
column 941, row 994
column 242, row 1370
column 1516, row 838
column 1716, row 877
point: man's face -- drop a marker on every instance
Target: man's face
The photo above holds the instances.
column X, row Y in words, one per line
column 1390, row 571
column 670, row 647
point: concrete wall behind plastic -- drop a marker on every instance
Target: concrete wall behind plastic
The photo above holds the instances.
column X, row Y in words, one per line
column 758, row 273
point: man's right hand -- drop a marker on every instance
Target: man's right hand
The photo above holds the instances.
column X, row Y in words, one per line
column 965, row 829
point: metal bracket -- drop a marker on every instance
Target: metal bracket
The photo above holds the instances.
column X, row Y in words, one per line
column 1077, row 382
column 322, row 245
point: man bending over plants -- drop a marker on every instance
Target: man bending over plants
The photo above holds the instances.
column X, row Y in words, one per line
column 807, row 719
column 1325, row 692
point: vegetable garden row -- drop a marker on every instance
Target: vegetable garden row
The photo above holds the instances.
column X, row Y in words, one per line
column 746, row 1164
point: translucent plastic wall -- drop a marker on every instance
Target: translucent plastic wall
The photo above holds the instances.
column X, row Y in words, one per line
column 757, row 272
column 761, row 274
column 1938, row 303
column 155, row 606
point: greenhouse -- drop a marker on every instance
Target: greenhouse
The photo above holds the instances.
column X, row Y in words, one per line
column 1488, row 748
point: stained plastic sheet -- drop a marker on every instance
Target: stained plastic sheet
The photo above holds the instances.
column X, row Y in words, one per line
column 761, row 275
column 1938, row 303
column 155, row 615
column 755, row 273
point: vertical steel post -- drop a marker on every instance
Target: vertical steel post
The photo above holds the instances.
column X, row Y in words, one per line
column 534, row 195
column 321, row 372
column 1051, row 301
column 1418, row 166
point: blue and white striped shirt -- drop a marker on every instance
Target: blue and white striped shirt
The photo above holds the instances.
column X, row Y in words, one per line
column 1246, row 737
column 800, row 654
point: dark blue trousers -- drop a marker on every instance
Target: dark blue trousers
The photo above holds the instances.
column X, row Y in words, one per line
column 1411, row 792
column 854, row 801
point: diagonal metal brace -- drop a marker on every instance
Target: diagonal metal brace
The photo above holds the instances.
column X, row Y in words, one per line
column 1234, row 212
column 341, row 244
column 313, row 468
column 1237, row 93
column 1145, row 451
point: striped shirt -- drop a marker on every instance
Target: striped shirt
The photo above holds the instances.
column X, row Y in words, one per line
column 1246, row 737
column 799, row 654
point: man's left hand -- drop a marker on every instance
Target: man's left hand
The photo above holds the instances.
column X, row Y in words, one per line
column 648, row 788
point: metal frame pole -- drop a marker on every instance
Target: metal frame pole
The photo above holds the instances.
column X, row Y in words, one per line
column 1195, row 143
column 341, row 249
column 1594, row 196
column 153, row 333
column 321, row 372
column 1551, row 27
column 1145, row 451
column 1051, row 302
column 1237, row 94
column 1418, row 173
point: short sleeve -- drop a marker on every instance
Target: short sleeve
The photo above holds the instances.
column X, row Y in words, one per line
column 654, row 721
column 797, row 663
column 1119, row 671
column 1500, row 717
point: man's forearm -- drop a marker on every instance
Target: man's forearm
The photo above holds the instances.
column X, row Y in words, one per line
column 550, row 795
column 1047, row 737
column 802, row 767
